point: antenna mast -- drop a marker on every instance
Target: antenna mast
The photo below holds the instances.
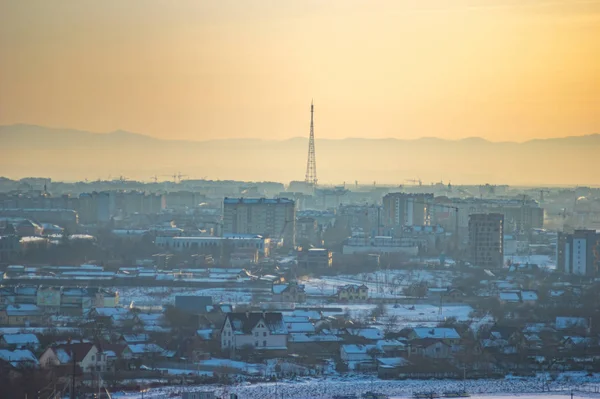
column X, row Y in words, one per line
column 311, row 164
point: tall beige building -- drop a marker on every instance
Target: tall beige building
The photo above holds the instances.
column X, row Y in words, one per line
column 274, row 218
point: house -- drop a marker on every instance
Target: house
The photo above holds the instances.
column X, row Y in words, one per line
column 143, row 350
column 509, row 297
column 16, row 359
column 391, row 367
column 357, row 353
column 134, row 339
column 261, row 330
column 20, row 341
column 21, row 315
column 370, row 333
column 433, row 348
column 353, row 292
column 48, row 299
column 571, row 323
column 529, row 297
column 87, row 356
column 290, row 292
column 447, row 335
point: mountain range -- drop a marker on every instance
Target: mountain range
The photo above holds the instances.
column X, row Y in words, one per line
column 66, row 154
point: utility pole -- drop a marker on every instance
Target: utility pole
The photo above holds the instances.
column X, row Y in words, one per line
column 73, row 376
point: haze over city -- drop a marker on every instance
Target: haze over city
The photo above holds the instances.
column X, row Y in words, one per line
column 196, row 70
column 325, row 199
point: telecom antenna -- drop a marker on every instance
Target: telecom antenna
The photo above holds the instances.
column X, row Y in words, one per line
column 311, row 164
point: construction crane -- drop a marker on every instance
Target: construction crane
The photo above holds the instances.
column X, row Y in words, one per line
column 542, row 191
column 415, row 181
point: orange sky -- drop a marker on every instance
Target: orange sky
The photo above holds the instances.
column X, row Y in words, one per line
column 195, row 69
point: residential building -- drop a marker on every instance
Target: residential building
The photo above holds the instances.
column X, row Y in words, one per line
column 579, row 253
column 87, row 356
column 382, row 245
column 289, row 292
column 315, row 259
column 352, row 292
column 261, row 330
column 230, row 243
column 486, row 240
column 406, row 209
column 307, row 231
column 20, row 341
column 21, row 315
column 274, row 218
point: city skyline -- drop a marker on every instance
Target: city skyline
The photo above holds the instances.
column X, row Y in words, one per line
column 502, row 70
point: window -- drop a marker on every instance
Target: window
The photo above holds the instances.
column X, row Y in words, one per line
column 256, row 333
column 93, row 358
column 256, row 343
column 264, row 343
column 265, row 334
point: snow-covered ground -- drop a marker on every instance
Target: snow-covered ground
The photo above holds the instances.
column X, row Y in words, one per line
column 150, row 296
column 327, row 388
column 382, row 283
column 417, row 313
column 543, row 261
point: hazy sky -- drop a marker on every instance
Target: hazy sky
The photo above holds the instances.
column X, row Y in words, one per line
column 194, row 69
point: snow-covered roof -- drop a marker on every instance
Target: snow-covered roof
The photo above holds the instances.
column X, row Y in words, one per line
column 295, row 319
column 437, row 333
column 389, row 343
column 367, row 333
column 110, row 312
column 21, row 339
column 135, row 338
column 529, row 296
column 305, row 338
column 570, row 322
column 23, row 309
column 357, row 349
column 509, row 297
column 279, row 288
column 18, row 357
column 306, row 327
column 391, row 362
column 145, row 348
column 205, row 334
column 311, row 314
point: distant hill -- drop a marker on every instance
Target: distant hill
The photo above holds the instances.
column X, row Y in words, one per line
column 66, row 154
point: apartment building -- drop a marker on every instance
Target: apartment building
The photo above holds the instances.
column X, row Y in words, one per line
column 486, row 240
column 274, row 218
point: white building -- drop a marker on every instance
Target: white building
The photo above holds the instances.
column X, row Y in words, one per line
column 380, row 245
column 260, row 330
column 236, row 242
column 577, row 253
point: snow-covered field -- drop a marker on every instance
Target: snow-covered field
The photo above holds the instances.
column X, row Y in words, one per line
column 382, row 283
column 151, row 296
column 327, row 388
column 417, row 313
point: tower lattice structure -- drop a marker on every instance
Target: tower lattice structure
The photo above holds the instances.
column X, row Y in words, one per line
column 311, row 164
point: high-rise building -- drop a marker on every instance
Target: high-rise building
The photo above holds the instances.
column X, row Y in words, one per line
column 486, row 240
column 578, row 253
column 406, row 209
column 273, row 218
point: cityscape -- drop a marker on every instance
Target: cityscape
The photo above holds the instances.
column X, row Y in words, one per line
column 334, row 200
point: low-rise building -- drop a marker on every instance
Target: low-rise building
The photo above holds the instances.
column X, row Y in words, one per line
column 20, row 341
column 21, row 315
column 254, row 329
column 289, row 292
column 352, row 292
column 87, row 356
column 315, row 259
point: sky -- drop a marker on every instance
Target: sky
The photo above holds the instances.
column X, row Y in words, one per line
column 504, row 70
